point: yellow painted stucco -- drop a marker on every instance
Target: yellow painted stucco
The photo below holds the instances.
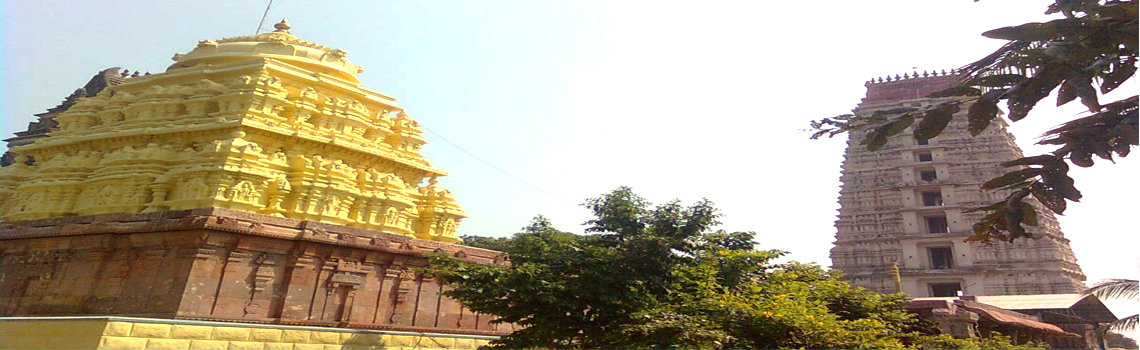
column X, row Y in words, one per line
column 268, row 123
column 114, row 333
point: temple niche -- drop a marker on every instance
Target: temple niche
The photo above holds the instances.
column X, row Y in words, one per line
column 255, row 181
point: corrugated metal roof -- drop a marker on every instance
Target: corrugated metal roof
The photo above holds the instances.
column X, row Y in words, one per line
column 1084, row 307
column 1011, row 318
column 1024, row 302
column 1031, row 302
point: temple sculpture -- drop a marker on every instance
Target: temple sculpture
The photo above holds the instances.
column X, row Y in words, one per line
column 253, row 195
column 904, row 207
column 267, row 124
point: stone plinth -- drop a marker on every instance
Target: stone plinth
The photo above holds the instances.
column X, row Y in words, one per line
column 226, row 265
column 130, row 333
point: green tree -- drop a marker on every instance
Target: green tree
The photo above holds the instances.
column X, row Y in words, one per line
column 1090, row 51
column 661, row 278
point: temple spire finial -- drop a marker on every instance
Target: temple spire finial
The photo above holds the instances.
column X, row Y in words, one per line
column 283, row 26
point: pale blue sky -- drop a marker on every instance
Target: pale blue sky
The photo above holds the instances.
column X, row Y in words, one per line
column 675, row 99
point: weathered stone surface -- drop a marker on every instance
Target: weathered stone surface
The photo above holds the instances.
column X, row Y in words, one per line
column 905, row 204
column 218, row 265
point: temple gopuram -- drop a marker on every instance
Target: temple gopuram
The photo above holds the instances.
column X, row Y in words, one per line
column 253, row 195
column 907, row 206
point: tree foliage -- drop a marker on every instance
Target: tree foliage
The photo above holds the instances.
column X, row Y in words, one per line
column 659, row 277
column 1088, row 52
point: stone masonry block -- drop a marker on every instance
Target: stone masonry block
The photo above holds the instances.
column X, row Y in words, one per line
column 325, row 337
column 230, row 333
column 265, row 335
column 385, row 339
column 438, row 342
column 150, row 330
column 168, row 344
column 278, row 346
column 122, row 343
column 209, row 345
column 246, row 345
column 295, row 336
column 308, row 347
column 367, row 339
column 461, row 343
column 191, row 332
column 403, row 341
column 118, row 329
column 333, row 347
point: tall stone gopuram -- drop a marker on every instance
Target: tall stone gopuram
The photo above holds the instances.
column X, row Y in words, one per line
column 905, row 203
column 255, row 182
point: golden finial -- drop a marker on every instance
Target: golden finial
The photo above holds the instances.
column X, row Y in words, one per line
column 283, row 26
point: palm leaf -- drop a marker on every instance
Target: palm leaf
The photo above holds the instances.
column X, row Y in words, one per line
column 1116, row 289
column 1125, row 325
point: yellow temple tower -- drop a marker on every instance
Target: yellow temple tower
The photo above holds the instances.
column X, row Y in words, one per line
column 269, row 124
column 252, row 196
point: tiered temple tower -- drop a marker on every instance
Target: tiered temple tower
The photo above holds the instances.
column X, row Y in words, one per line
column 905, row 203
column 252, row 188
column 267, row 124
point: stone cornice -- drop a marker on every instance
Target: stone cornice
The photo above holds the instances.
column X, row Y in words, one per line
column 226, row 220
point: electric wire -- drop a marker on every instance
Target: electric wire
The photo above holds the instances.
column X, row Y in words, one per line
column 263, row 15
column 520, row 180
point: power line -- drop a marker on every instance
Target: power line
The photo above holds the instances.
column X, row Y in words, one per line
column 263, row 15
column 495, row 167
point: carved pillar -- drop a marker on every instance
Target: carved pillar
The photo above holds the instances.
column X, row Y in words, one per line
column 342, row 288
column 386, row 297
column 276, row 193
column 233, row 286
column 427, row 302
column 406, row 295
column 158, row 192
column 375, row 213
column 303, row 281
column 262, row 298
column 451, row 312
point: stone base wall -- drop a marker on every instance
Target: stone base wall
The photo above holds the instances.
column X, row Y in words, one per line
column 221, row 265
column 128, row 333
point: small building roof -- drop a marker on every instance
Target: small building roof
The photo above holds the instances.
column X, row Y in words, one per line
column 1023, row 302
column 1080, row 305
column 1035, row 301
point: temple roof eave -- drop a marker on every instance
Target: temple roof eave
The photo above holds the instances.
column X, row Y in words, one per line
column 276, row 66
column 342, row 72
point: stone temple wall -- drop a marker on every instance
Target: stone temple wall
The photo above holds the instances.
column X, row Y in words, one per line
column 217, row 264
column 906, row 204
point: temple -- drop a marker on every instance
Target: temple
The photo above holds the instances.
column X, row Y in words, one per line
column 253, row 195
column 905, row 205
column 267, row 124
